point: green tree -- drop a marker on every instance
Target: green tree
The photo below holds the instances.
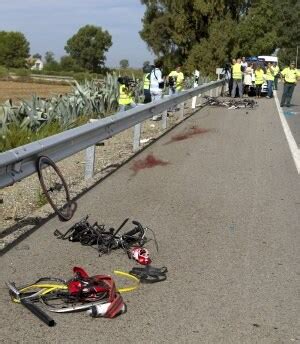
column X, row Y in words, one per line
column 50, row 62
column 288, row 31
column 214, row 50
column 204, row 34
column 49, row 57
column 257, row 32
column 37, row 56
column 172, row 28
column 14, row 49
column 67, row 63
column 88, row 46
column 124, row 64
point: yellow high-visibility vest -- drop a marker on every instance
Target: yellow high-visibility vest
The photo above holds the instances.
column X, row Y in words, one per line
column 237, row 73
column 125, row 97
column 270, row 73
column 276, row 70
column 259, row 77
column 179, row 81
column 146, row 81
column 290, row 75
column 179, row 77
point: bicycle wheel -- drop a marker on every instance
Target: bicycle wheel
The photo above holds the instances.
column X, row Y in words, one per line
column 55, row 188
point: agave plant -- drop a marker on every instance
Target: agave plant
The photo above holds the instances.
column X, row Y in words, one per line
column 96, row 98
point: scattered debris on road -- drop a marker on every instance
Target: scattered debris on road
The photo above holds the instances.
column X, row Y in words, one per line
column 105, row 240
column 230, row 104
column 150, row 274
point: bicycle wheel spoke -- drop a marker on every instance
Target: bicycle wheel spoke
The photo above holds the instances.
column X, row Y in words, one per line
column 55, row 188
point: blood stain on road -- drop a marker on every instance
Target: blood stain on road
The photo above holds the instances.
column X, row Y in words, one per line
column 149, row 162
column 188, row 134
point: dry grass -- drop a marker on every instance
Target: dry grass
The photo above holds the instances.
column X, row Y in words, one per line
column 23, row 90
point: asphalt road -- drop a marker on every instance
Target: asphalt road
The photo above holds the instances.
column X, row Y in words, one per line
column 292, row 114
column 226, row 215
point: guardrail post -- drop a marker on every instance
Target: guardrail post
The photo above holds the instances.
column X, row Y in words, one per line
column 181, row 112
column 90, row 158
column 194, row 100
column 89, row 162
column 136, row 137
column 164, row 120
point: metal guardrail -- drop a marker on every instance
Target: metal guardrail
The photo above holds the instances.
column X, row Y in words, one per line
column 20, row 162
column 45, row 77
column 52, row 77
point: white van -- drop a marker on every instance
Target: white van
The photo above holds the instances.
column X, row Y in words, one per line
column 265, row 59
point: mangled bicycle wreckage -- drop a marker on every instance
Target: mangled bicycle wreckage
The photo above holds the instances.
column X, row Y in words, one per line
column 98, row 294
column 230, row 104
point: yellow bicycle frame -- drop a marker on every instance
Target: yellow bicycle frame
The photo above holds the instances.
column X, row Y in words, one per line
column 47, row 288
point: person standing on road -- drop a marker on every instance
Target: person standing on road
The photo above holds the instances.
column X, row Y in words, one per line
column 196, row 77
column 276, row 75
column 230, row 84
column 175, row 81
column 244, row 63
column 156, row 85
column 237, row 76
column 290, row 75
column 270, row 76
column 259, row 79
column 146, row 81
column 125, row 99
column 248, row 76
column 179, row 80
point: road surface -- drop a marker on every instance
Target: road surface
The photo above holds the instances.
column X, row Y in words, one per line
column 225, row 211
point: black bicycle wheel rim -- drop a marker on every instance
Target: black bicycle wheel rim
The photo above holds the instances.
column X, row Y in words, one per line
column 65, row 212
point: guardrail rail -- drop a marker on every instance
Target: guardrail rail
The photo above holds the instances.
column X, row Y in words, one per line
column 20, row 162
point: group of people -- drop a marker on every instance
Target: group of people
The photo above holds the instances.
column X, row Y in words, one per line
column 244, row 76
column 154, row 83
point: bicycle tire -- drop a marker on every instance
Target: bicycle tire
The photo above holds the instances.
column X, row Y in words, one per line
column 65, row 212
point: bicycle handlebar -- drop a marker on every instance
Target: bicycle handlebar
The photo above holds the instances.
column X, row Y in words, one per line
column 34, row 309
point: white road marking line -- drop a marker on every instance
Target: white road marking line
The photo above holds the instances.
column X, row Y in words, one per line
column 289, row 136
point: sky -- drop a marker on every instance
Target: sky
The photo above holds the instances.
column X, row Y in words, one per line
column 48, row 24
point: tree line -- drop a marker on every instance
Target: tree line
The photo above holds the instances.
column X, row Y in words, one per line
column 206, row 34
column 194, row 33
column 85, row 51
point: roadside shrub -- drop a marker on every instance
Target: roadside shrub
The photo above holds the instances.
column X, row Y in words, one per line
column 3, row 72
column 23, row 72
column 16, row 136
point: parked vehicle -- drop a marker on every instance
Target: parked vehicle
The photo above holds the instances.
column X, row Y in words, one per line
column 262, row 60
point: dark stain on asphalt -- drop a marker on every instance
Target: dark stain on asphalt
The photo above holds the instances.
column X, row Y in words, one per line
column 191, row 132
column 149, row 162
column 256, row 325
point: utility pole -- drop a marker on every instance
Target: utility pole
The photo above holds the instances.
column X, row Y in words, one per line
column 297, row 56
